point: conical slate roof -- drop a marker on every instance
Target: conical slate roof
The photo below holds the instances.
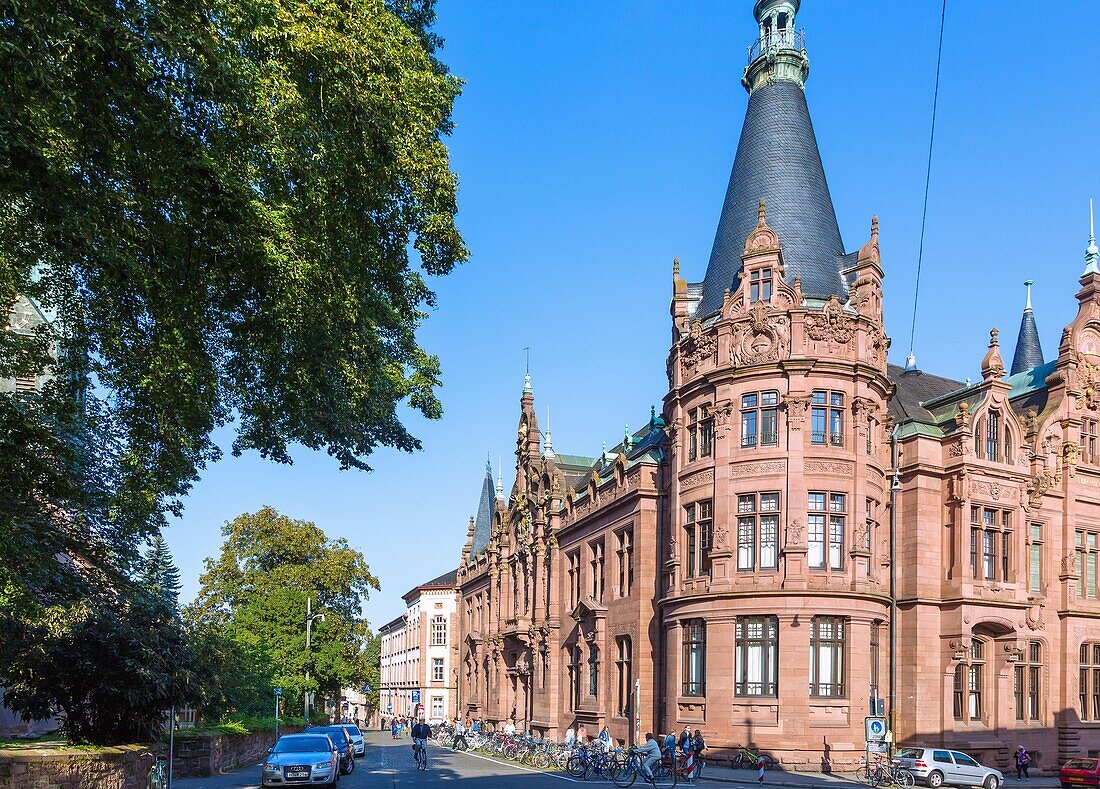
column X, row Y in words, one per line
column 1029, row 354
column 483, row 523
column 778, row 161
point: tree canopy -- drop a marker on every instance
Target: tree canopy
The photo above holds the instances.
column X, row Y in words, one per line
column 255, row 592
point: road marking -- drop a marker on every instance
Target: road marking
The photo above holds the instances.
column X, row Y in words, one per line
column 530, row 770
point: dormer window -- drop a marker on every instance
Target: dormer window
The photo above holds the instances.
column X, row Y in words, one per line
column 760, row 285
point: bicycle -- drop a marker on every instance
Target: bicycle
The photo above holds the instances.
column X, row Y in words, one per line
column 892, row 773
column 158, row 775
column 688, row 773
column 663, row 775
column 751, row 757
column 421, row 756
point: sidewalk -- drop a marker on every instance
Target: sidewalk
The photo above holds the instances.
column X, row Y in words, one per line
column 801, row 780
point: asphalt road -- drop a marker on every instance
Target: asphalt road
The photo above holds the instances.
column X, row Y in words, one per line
column 389, row 764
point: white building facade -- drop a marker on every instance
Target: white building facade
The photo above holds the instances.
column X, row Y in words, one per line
column 418, row 663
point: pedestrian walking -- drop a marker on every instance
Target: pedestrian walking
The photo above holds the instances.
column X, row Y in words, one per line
column 570, row 737
column 1023, row 761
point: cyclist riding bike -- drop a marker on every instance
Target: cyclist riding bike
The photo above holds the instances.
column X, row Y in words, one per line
column 420, row 734
column 650, row 754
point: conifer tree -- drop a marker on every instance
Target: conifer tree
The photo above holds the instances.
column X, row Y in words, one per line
column 159, row 573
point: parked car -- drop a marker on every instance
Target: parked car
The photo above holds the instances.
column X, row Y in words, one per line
column 343, row 745
column 302, row 759
column 938, row 766
column 356, row 738
column 1080, row 772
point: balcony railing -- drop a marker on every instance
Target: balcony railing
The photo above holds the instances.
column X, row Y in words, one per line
column 787, row 38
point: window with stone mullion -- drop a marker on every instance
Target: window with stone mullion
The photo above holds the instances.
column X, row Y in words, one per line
column 757, row 531
column 827, row 639
column 756, row 656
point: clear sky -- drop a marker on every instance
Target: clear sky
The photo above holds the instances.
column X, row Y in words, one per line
column 594, row 142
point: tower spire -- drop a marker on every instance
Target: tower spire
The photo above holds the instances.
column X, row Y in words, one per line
column 1092, row 254
column 1029, row 354
column 548, row 450
column 500, row 479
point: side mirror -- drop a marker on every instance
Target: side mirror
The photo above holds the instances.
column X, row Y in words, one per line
column 271, row 749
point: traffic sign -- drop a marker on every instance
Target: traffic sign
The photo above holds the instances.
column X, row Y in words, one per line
column 874, row 728
column 278, row 691
column 416, row 697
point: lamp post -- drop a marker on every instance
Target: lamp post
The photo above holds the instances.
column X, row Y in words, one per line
column 310, row 616
column 895, row 486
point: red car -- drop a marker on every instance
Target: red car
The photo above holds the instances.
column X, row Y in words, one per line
column 1080, row 772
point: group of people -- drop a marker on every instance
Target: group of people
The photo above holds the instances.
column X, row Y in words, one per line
column 397, row 726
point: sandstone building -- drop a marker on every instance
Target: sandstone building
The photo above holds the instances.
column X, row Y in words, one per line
column 731, row 565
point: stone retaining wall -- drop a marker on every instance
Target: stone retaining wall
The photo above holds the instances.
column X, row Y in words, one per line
column 122, row 767
column 206, row 754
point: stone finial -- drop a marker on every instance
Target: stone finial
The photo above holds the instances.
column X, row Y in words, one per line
column 993, row 365
column 679, row 284
column 1092, row 253
column 762, row 238
column 761, row 213
column 869, row 251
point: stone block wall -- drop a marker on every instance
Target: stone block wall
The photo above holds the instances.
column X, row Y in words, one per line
column 206, row 754
column 121, row 767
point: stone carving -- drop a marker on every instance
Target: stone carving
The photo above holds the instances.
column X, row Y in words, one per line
column 841, row 467
column 796, row 410
column 721, row 538
column 752, row 469
column 704, row 477
column 1071, row 453
column 796, row 534
column 862, row 408
column 832, row 325
column 1069, row 564
column 1037, row 486
column 1088, row 380
column 861, row 538
column 880, row 346
column 697, row 348
column 1033, row 617
column 765, row 337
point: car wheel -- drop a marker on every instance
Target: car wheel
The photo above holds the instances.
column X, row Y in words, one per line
column 935, row 779
column 992, row 782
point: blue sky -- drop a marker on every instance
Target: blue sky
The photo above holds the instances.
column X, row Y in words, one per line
column 594, row 141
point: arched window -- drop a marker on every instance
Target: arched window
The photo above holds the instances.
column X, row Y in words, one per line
column 993, row 436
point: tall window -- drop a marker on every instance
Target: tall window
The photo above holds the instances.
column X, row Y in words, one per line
column 756, row 655
column 1089, row 449
column 760, row 285
column 1026, row 682
column 991, row 544
column 827, row 656
column 826, row 520
column 1088, row 689
column 876, row 630
column 1087, row 563
column 574, row 572
column 597, row 564
column 700, row 531
column 439, row 631
column 437, row 669
column 594, row 671
column 993, row 435
column 624, row 666
column 969, row 673
column 625, row 553
column 574, row 677
column 827, row 418
column 695, row 657
column 437, row 706
column 1035, row 557
column 760, row 419
column 700, row 433
column 757, row 531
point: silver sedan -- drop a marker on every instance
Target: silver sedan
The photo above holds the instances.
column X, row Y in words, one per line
column 302, row 759
column 938, row 766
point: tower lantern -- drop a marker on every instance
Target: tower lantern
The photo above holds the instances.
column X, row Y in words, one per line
column 779, row 54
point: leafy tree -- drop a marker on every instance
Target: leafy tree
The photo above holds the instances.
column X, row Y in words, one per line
column 228, row 208
column 255, row 593
column 159, row 574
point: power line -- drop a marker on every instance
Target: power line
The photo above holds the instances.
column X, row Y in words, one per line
column 927, row 179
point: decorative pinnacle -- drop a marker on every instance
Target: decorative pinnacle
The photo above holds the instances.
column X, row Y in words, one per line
column 993, row 341
column 1092, row 254
column 761, row 212
column 527, row 389
column 1027, row 284
column 675, row 267
column 500, row 479
column 548, row 450
column 874, row 226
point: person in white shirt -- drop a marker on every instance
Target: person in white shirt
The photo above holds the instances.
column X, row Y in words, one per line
column 510, row 728
column 570, row 737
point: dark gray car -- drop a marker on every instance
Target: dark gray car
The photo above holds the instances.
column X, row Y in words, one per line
column 302, row 760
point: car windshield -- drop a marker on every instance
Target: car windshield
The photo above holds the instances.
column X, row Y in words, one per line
column 302, row 744
column 1081, row 764
column 910, row 753
column 354, row 731
column 338, row 735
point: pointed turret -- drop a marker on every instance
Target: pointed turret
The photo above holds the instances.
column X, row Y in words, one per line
column 1029, row 354
column 483, row 521
column 778, row 161
column 1092, row 254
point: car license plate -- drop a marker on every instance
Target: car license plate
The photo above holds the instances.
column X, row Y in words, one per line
column 297, row 773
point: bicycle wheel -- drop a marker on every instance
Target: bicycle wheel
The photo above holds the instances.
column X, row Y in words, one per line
column 541, row 760
column 575, row 766
column 904, row 778
column 664, row 775
column 738, row 760
column 625, row 775
column 767, row 761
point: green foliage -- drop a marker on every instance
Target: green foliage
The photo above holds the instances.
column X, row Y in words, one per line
column 215, row 201
column 252, row 599
column 113, row 662
column 159, row 575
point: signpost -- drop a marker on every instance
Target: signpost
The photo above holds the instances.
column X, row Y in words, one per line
column 278, row 695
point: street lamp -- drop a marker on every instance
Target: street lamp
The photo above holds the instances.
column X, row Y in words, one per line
column 895, row 488
column 310, row 616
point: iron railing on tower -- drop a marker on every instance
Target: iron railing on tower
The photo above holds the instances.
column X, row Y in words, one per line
column 786, row 38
